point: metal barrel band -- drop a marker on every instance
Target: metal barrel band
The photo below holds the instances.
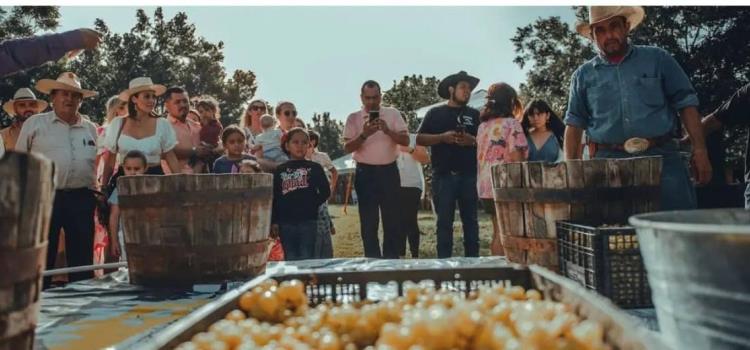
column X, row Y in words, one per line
column 22, row 264
column 191, row 198
column 530, row 243
column 574, row 195
column 183, row 251
column 17, row 322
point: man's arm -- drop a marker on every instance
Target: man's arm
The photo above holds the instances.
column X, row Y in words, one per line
column 572, row 142
column 23, row 53
column 691, row 120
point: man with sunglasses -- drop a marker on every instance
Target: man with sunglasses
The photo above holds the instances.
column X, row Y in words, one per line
column 627, row 99
column 373, row 134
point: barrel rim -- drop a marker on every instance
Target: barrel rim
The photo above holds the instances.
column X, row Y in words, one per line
column 651, row 221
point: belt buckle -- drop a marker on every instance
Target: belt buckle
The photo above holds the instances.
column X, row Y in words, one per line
column 635, row 145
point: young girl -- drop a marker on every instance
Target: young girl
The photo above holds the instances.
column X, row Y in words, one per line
column 210, row 133
column 500, row 139
column 134, row 163
column 544, row 131
column 323, row 243
column 233, row 139
column 300, row 186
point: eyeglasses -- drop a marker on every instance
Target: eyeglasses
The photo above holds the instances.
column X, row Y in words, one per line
column 290, row 113
column 257, row 108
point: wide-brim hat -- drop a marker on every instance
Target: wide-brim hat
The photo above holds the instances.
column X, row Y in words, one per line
column 454, row 79
column 141, row 84
column 633, row 15
column 23, row 94
column 65, row 81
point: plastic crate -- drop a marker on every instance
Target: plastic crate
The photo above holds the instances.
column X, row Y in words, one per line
column 605, row 259
column 620, row 330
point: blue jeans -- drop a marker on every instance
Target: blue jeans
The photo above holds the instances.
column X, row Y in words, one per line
column 677, row 191
column 298, row 239
column 449, row 189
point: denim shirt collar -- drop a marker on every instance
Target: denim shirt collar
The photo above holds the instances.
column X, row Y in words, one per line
column 601, row 59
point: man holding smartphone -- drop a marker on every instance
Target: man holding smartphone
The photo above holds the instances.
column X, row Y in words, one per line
column 450, row 130
column 373, row 134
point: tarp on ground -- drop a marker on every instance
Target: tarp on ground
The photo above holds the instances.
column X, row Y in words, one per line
column 98, row 313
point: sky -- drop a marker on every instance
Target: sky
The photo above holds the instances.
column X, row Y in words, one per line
column 318, row 57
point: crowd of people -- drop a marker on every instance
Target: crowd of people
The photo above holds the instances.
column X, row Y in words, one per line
column 627, row 100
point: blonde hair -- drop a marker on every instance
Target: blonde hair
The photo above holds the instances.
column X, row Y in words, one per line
column 112, row 104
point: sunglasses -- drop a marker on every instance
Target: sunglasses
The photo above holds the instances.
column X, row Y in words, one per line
column 257, row 108
column 290, row 113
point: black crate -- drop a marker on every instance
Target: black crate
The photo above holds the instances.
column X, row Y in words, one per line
column 605, row 259
column 356, row 286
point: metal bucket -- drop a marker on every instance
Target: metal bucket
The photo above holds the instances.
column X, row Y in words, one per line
column 697, row 263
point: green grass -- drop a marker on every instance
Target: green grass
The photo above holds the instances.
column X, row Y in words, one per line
column 348, row 243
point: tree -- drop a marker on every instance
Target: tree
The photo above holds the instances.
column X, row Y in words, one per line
column 710, row 43
column 167, row 50
column 411, row 93
column 22, row 21
column 330, row 131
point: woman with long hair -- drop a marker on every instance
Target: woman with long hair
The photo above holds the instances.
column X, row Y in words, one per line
column 250, row 121
column 141, row 130
column 286, row 113
column 544, row 131
column 500, row 139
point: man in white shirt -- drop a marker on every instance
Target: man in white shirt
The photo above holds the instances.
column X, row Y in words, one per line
column 68, row 138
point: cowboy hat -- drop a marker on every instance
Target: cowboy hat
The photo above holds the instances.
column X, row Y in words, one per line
column 65, row 81
column 454, row 79
column 142, row 84
column 633, row 15
column 23, row 94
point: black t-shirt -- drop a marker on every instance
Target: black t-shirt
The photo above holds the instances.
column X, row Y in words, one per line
column 299, row 188
column 445, row 157
column 736, row 111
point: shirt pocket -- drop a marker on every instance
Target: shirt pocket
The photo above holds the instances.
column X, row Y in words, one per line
column 649, row 91
column 602, row 100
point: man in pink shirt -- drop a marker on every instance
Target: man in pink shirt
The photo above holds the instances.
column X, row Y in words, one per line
column 373, row 135
column 177, row 104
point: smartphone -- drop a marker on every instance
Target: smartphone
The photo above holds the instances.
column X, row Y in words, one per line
column 374, row 115
column 460, row 128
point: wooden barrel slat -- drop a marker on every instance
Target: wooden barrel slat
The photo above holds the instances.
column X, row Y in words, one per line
column 188, row 233
column 26, row 198
column 531, row 197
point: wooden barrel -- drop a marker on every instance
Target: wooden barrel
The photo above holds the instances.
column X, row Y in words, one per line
column 531, row 196
column 26, row 198
column 186, row 229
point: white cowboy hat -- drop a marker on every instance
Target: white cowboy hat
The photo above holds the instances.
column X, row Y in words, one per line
column 23, row 94
column 633, row 15
column 141, row 84
column 66, row 81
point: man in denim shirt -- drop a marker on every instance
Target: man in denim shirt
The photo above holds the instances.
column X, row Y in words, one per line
column 627, row 99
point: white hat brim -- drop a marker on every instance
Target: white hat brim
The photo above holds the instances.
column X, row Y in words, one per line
column 633, row 14
column 46, row 86
column 11, row 110
column 158, row 90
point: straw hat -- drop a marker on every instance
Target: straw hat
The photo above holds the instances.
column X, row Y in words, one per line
column 633, row 15
column 23, row 94
column 66, row 81
column 141, row 84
